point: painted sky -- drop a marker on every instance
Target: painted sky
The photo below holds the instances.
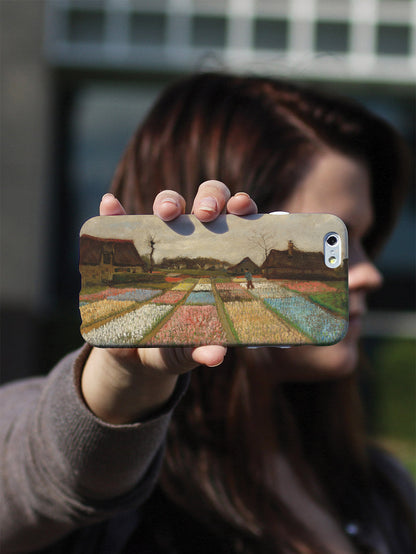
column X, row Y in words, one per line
column 229, row 238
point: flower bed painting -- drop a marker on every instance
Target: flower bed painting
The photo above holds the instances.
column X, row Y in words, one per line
column 238, row 280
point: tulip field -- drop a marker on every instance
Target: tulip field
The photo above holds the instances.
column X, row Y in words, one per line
column 194, row 311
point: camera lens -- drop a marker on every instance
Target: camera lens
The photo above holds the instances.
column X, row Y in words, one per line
column 332, row 240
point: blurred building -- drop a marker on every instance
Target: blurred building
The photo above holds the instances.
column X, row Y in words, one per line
column 371, row 41
column 77, row 77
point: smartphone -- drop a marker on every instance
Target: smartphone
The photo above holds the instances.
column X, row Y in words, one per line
column 258, row 280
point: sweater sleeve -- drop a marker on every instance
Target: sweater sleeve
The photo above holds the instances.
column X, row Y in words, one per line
column 61, row 467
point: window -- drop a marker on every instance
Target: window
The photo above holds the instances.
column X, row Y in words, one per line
column 270, row 34
column 148, row 28
column 393, row 39
column 85, row 26
column 209, row 31
column 332, row 37
column 107, row 258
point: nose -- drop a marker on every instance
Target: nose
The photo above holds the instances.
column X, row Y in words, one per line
column 363, row 274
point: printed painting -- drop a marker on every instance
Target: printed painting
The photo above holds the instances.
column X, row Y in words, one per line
column 256, row 280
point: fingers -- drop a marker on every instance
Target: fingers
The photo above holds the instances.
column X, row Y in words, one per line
column 213, row 196
column 111, row 206
column 168, row 204
column 241, row 204
column 210, row 200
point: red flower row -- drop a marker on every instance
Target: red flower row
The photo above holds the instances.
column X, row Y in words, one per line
column 192, row 325
column 309, row 286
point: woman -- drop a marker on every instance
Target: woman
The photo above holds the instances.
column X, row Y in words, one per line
column 267, row 453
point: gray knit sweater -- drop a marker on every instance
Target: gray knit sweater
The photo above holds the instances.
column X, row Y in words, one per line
column 62, row 471
column 61, row 467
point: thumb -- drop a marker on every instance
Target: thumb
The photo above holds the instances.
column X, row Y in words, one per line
column 181, row 359
column 211, row 356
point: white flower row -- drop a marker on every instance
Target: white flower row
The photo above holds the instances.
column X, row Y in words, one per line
column 128, row 329
column 264, row 284
column 273, row 291
column 204, row 287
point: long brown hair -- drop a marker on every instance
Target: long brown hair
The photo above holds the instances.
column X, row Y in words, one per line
column 261, row 136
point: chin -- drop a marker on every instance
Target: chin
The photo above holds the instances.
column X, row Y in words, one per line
column 319, row 363
column 340, row 359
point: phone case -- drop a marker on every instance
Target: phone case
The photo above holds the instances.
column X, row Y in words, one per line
column 257, row 280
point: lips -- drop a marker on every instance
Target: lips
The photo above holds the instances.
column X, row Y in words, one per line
column 356, row 313
column 356, row 320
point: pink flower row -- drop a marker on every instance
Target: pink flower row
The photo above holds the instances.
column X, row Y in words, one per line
column 191, row 325
column 169, row 297
column 103, row 294
column 309, row 286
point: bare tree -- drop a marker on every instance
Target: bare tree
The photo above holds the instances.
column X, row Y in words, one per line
column 151, row 243
column 263, row 242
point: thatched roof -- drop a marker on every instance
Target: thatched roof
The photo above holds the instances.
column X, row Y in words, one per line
column 123, row 251
column 296, row 259
column 298, row 264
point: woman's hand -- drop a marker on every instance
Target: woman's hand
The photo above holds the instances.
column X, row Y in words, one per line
column 122, row 385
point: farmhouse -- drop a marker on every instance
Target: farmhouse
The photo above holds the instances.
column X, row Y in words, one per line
column 242, row 267
column 297, row 264
column 100, row 259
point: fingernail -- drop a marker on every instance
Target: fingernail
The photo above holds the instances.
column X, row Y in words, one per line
column 171, row 201
column 208, row 204
column 242, row 194
column 217, row 364
column 107, row 196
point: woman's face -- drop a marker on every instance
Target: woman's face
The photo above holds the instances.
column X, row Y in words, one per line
column 338, row 185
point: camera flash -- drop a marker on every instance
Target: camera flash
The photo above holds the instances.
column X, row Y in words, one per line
column 332, row 250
